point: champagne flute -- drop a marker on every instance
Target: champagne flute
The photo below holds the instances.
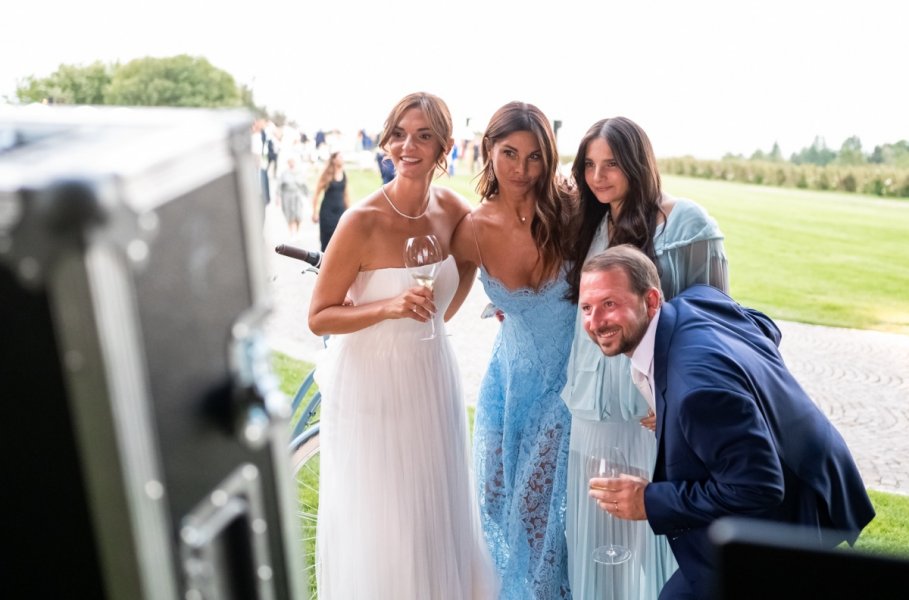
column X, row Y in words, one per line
column 612, row 465
column 422, row 258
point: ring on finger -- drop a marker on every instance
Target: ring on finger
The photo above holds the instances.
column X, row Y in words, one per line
column 414, row 307
column 615, row 506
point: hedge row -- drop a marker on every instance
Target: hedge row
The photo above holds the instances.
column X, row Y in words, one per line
column 876, row 180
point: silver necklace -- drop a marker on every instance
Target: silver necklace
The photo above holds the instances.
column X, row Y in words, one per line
column 406, row 216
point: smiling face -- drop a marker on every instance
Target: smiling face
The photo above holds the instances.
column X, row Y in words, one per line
column 603, row 175
column 517, row 162
column 615, row 318
column 412, row 145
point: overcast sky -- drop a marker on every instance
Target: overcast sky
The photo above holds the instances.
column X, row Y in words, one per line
column 703, row 77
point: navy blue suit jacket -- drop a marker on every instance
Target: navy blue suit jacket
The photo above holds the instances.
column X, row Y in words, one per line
column 737, row 435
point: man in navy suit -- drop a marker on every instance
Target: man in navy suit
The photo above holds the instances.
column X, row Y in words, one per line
column 736, row 433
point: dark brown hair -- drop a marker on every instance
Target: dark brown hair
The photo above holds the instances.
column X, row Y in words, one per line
column 637, row 223
column 330, row 169
column 555, row 202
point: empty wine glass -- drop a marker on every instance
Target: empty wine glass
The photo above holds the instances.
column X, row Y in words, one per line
column 423, row 257
column 612, row 465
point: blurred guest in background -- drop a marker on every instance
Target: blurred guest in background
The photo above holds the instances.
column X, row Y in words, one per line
column 292, row 193
column 331, row 197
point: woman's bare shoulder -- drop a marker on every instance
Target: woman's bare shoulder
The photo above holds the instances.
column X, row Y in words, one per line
column 487, row 213
column 365, row 214
column 450, row 200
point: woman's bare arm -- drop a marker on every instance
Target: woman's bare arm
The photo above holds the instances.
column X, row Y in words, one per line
column 464, row 249
column 328, row 312
column 320, row 186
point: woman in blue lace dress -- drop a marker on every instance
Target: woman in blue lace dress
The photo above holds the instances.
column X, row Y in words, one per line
column 621, row 201
column 515, row 237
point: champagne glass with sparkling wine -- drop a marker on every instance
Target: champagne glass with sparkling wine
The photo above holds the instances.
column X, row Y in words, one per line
column 423, row 257
column 610, row 465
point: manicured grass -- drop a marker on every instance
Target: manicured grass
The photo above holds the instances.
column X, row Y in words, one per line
column 289, row 371
column 888, row 533
column 825, row 258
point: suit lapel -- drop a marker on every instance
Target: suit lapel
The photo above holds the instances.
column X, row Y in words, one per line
column 665, row 327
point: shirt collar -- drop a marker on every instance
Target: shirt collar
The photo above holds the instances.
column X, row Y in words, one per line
column 642, row 357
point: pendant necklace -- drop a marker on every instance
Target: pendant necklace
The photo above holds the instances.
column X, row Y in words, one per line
column 406, row 216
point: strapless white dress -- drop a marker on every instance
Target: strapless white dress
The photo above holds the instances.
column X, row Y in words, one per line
column 398, row 517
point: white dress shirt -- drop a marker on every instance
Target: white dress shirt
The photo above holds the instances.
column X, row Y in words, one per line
column 642, row 362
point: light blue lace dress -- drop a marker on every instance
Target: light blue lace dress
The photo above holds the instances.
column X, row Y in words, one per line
column 521, row 440
column 606, row 409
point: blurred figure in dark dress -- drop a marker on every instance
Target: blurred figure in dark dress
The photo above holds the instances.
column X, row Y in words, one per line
column 331, row 197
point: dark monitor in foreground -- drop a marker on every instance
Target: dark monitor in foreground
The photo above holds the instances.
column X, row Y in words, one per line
column 760, row 560
column 146, row 451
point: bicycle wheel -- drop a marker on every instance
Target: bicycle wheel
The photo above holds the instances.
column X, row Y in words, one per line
column 305, row 461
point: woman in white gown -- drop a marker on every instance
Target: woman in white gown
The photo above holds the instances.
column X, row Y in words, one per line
column 398, row 517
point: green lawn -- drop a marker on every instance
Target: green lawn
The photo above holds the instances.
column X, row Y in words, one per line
column 888, row 533
column 823, row 258
column 814, row 257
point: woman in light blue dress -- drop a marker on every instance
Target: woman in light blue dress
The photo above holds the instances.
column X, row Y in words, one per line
column 621, row 201
column 515, row 237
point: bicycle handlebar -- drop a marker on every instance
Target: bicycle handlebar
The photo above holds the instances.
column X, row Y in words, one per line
column 312, row 257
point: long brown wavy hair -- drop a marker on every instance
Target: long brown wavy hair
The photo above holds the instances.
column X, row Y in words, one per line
column 555, row 204
column 330, row 170
column 637, row 222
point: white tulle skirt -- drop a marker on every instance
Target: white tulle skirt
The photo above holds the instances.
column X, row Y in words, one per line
column 398, row 516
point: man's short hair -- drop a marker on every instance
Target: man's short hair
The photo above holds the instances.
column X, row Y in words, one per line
column 642, row 273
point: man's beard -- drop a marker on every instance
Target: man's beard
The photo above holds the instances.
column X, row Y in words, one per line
column 630, row 342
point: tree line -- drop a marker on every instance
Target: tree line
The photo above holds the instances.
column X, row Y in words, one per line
column 187, row 81
column 872, row 179
column 181, row 81
column 883, row 172
column 849, row 154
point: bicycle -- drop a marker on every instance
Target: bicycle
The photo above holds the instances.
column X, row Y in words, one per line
column 304, row 440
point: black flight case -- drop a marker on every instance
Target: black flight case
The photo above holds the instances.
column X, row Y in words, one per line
column 144, row 437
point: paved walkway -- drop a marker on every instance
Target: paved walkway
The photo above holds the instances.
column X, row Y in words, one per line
column 860, row 379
